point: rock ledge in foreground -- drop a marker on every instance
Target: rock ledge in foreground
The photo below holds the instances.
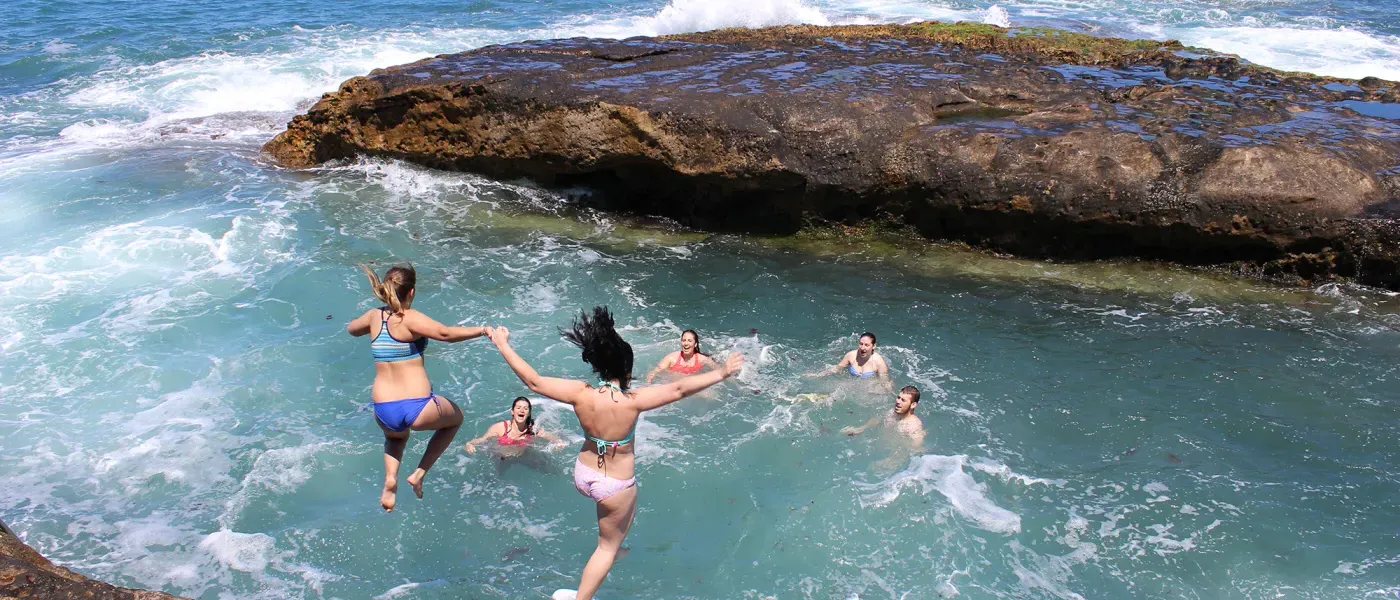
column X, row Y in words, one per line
column 24, row 573
column 1036, row 142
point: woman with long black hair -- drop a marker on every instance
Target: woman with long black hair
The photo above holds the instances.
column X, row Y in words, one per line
column 607, row 412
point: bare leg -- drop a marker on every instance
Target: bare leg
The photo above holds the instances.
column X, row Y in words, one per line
column 444, row 418
column 614, row 520
column 394, row 444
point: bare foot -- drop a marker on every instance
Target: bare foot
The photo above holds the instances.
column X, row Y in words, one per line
column 416, row 482
column 387, row 498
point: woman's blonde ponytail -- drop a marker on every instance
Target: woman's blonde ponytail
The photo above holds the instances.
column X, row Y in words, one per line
column 393, row 290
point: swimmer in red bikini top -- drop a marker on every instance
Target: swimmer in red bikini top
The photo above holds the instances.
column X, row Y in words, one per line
column 515, row 433
column 686, row 361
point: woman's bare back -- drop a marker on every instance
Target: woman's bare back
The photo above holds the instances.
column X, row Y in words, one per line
column 605, row 413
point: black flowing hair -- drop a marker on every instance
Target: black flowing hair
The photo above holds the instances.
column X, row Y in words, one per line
column 603, row 349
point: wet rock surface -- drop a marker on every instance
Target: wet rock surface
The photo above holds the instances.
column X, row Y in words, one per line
column 24, row 573
column 1034, row 142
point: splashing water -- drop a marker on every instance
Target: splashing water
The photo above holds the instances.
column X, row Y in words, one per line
column 183, row 410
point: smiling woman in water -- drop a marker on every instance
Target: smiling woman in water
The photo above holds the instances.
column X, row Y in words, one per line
column 515, row 434
column 689, row 360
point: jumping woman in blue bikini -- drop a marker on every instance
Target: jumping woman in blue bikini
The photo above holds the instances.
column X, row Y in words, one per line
column 403, row 398
column 608, row 413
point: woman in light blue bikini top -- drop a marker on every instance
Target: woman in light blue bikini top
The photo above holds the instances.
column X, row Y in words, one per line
column 402, row 397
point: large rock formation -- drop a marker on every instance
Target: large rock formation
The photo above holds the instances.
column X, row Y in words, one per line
column 1037, row 142
column 24, row 573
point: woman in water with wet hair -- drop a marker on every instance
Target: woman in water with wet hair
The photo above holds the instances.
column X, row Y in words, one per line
column 514, row 434
column 403, row 397
column 689, row 360
column 862, row 363
column 607, row 412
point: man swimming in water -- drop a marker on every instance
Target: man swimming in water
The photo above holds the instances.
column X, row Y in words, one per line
column 903, row 419
column 863, row 362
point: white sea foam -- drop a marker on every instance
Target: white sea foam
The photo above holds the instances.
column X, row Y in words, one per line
column 1004, row 472
column 996, row 15
column 57, row 47
column 119, row 258
column 1338, row 52
column 657, row 443
column 538, row 297
column 406, row 186
column 181, row 439
column 782, row 420
column 859, row 12
column 683, row 16
column 248, row 552
column 277, row 471
column 274, row 81
column 945, row 475
column 244, row 97
column 1047, row 575
column 534, row 528
column 156, row 550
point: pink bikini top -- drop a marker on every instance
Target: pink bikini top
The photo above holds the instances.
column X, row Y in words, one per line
column 690, row 369
column 506, row 440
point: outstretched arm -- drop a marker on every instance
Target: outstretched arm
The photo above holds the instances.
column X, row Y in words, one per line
column 858, row 430
column 661, row 395
column 845, row 361
column 660, row 366
column 360, row 325
column 495, row 430
column 562, row 390
column 554, row 440
column 421, row 324
column 883, row 372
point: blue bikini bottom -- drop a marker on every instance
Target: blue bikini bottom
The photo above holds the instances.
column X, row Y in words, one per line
column 398, row 415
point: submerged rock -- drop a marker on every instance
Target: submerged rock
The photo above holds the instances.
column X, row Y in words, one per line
column 24, row 573
column 1036, row 142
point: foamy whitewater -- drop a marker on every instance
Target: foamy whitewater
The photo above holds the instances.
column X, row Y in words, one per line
column 182, row 409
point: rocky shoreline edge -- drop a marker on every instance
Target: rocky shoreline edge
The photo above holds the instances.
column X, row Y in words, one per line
column 24, row 573
column 1034, row 142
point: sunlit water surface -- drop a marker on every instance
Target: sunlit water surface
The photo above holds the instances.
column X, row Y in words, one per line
column 182, row 409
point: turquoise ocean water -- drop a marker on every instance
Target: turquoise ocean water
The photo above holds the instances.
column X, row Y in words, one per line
column 181, row 409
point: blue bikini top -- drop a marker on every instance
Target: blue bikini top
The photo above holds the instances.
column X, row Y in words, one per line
column 856, row 373
column 386, row 348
